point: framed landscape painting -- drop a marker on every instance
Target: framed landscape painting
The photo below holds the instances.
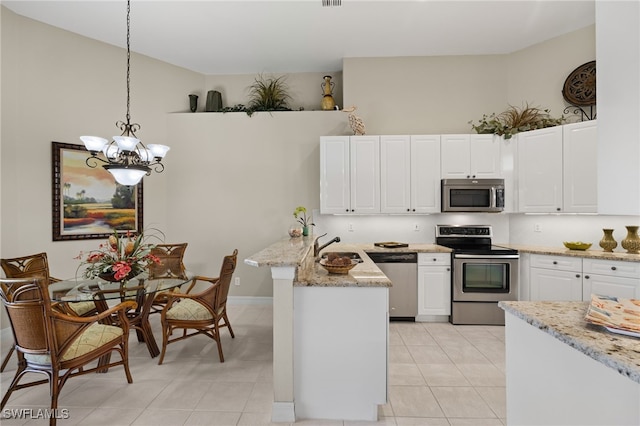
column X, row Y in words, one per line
column 87, row 203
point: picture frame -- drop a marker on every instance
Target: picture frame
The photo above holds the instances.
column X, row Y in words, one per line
column 87, row 203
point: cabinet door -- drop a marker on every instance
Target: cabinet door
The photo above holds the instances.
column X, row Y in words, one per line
column 580, row 167
column 607, row 285
column 434, row 290
column 365, row 174
column 425, row 174
column 484, row 156
column 395, row 174
column 540, row 170
column 335, row 189
column 547, row 284
column 455, row 154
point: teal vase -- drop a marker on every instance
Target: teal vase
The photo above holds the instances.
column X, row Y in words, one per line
column 305, row 231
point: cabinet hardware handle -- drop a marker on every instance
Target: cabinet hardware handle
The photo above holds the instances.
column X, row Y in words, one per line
column 448, row 269
column 586, row 277
column 435, row 260
column 414, row 210
column 408, row 210
column 555, row 263
column 557, row 208
column 577, row 275
column 347, row 210
column 613, row 268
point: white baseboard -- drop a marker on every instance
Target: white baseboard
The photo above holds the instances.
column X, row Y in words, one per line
column 249, row 300
column 283, row 412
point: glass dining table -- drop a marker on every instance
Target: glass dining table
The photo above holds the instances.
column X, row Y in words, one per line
column 141, row 289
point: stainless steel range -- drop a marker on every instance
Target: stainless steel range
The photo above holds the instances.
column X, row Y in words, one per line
column 482, row 274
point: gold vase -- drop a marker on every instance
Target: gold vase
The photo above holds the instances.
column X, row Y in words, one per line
column 607, row 242
column 327, row 103
column 631, row 242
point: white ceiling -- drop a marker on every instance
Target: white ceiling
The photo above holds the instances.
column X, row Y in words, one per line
column 249, row 37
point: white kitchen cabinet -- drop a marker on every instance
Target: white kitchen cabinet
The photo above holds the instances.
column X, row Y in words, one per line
column 610, row 278
column 434, row 286
column 349, row 174
column 470, row 156
column 580, row 167
column 557, row 169
column 557, row 278
column 410, row 174
column 539, row 154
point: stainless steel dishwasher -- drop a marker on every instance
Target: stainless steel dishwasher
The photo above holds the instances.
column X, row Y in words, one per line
column 402, row 270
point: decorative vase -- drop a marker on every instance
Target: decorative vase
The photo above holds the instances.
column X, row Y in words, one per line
column 631, row 242
column 607, row 242
column 193, row 102
column 305, row 231
column 327, row 103
column 295, row 230
column 214, row 101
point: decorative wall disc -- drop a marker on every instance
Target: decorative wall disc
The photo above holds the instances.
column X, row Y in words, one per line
column 580, row 86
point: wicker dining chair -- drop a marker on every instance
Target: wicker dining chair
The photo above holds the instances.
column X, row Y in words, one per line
column 204, row 312
column 55, row 344
column 171, row 266
column 37, row 266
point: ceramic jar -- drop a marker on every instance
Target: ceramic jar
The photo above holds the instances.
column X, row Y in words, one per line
column 607, row 242
column 631, row 242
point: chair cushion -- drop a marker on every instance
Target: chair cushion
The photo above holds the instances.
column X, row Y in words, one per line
column 92, row 338
column 188, row 310
column 81, row 308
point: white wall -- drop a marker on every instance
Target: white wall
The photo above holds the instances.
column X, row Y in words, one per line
column 618, row 87
column 57, row 86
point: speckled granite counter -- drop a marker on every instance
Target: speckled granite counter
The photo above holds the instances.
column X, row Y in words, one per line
column 565, row 321
column 562, row 251
column 298, row 252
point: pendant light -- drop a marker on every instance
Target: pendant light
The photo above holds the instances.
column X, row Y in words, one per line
column 125, row 157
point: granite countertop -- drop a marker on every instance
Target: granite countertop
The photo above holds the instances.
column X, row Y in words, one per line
column 298, row 253
column 563, row 251
column 565, row 321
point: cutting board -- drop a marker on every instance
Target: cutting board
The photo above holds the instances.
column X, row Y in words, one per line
column 391, row 244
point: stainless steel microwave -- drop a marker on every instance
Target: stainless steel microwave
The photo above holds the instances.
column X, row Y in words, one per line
column 472, row 195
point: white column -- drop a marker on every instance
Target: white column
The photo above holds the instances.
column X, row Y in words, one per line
column 283, row 405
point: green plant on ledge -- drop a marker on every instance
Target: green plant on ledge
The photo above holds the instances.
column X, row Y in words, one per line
column 265, row 94
column 515, row 120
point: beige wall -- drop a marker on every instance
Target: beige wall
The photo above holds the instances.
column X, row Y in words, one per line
column 57, row 86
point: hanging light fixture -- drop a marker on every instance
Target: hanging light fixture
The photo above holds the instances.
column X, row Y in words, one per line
column 125, row 157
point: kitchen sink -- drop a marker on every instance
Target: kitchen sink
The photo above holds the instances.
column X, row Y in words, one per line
column 350, row 254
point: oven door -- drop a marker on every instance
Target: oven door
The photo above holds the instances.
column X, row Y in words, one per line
column 485, row 278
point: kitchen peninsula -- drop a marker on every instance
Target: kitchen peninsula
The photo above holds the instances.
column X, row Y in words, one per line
column 330, row 332
column 562, row 370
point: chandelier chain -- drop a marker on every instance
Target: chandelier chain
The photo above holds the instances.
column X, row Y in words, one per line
column 128, row 58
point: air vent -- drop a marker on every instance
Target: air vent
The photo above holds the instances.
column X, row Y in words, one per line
column 329, row 3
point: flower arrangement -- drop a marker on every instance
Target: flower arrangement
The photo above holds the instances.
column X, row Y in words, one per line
column 300, row 213
column 121, row 257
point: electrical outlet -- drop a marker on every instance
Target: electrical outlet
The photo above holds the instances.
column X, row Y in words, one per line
column 236, row 281
column 416, row 227
column 537, row 228
column 350, row 227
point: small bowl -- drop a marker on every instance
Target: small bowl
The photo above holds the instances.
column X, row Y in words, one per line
column 342, row 270
column 576, row 245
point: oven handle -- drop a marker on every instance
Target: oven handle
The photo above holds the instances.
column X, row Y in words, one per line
column 480, row 256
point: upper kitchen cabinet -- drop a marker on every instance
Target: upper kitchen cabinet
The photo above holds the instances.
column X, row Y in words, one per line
column 410, row 174
column 557, row 169
column 470, row 156
column 580, row 163
column 349, row 174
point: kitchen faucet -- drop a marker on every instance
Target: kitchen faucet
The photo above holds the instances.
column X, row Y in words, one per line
column 316, row 248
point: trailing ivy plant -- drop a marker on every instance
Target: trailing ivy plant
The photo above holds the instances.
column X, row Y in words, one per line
column 515, row 120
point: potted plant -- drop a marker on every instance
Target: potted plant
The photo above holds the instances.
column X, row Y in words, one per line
column 515, row 120
column 300, row 213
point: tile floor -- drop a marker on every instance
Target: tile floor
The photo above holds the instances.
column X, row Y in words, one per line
column 439, row 374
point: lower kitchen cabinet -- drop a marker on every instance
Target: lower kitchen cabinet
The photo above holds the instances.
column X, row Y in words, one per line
column 610, row 278
column 567, row 278
column 434, row 286
column 557, row 278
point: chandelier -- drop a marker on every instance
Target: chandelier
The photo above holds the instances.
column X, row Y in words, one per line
column 125, row 157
